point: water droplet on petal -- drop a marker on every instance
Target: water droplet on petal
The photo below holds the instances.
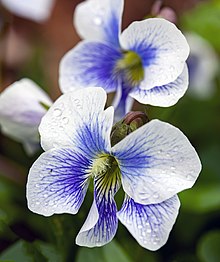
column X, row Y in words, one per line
column 57, row 112
column 155, row 196
column 148, row 230
column 65, row 120
column 97, row 20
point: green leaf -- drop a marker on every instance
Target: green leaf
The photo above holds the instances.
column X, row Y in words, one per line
column 208, row 247
column 201, row 199
column 48, row 251
column 113, row 251
column 17, row 252
column 108, row 253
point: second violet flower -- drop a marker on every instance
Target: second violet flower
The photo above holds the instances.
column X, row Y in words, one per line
column 145, row 62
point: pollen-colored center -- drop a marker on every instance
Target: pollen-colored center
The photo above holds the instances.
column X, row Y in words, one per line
column 131, row 65
column 105, row 169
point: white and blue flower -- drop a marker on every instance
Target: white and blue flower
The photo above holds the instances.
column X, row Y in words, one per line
column 203, row 66
column 36, row 10
column 145, row 62
column 22, row 105
column 152, row 164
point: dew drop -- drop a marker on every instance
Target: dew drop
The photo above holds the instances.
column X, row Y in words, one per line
column 155, row 196
column 51, row 203
column 65, row 120
column 139, row 226
column 97, row 20
column 172, row 168
column 172, row 68
column 37, row 203
column 37, row 185
column 148, row 230
column 57, row 112
column 45, row 195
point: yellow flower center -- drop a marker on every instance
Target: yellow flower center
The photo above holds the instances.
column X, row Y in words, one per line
column 132, row 67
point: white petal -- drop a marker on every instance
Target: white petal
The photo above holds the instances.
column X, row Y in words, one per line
column 99, row 20
column 150, row 225
column 57, row 182
column 156, row 162
column 21, row 111
column 203, row 66
column 78, row 119
column 37, row 10
column 162, row 48
column 166, row 95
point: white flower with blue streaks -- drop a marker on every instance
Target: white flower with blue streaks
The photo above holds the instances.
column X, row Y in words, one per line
column 36, row 10
column 151, row 164
column 22, row 105
column 145, row 62
column 203, row 66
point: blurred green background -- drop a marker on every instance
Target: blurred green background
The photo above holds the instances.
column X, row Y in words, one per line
column 25, row 236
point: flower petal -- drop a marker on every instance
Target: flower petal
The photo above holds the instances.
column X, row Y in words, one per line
column 162, row 48
column 101, row 223
column 77, row 119
column 57, row 182
column 166, row 95
column 156, row 162
column 37, row 10
column 99, row 20
column 150, row 225
column 21, row 110
column 124, row 104
column 203, row 66
column 89, row 64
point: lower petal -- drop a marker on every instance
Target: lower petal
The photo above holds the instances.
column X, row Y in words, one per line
column 57, row 182
column 124, row 105
column 89, row 64
column 150, row 225
column 166, row 95
column 101, row 223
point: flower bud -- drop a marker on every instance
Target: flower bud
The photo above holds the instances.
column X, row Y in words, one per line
column 132, row 121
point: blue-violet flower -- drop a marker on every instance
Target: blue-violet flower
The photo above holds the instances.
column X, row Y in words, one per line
column 152, row 164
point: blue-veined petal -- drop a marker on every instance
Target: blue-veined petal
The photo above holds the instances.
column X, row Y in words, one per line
column 156, row 161
column 57, row 182
column 89, row 64
column 21, row 110
column 37, row 10
column 99, row 20
column 166, row 95
column 122, row 105
column 203, row 66
column 162, row 48
column 101, row 223
column 77, row 119
column 150, row 225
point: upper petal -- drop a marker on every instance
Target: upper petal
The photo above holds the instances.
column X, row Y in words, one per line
column 77, row 119
column 166, row 95
column 89, row 64
column 162, row 48
column 37, row 10
column 156, row 162
column 101, row 223
column 57, row 182
column 99, row 20
column 21, row 110
column 150, row 225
